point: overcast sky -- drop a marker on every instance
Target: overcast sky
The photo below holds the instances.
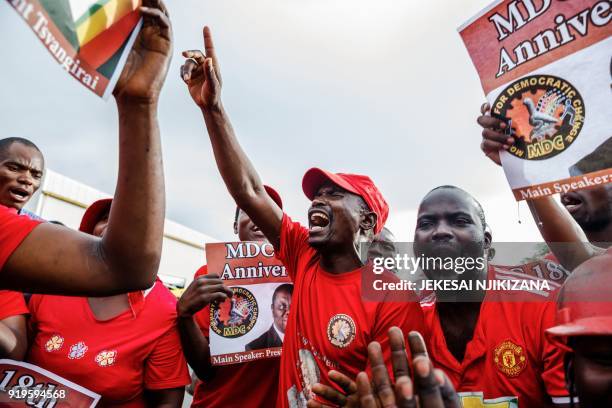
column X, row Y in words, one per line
column 383, row 88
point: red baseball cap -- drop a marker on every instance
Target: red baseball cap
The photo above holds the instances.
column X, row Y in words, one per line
column 274, row 196
column 358, row 184
column 93, row 213
column 585, row 301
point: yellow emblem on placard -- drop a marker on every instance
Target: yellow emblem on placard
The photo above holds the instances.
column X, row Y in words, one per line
column 510, row 358
column 476, row 400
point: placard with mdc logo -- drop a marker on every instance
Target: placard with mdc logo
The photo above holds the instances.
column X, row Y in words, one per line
column 545, row 68
column 251, row 325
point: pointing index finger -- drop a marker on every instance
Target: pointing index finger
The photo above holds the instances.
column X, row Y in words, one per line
column 209, row 46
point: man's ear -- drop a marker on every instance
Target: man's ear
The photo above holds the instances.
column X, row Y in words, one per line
column 236, row 227
column 488, row 238
column 368, row 221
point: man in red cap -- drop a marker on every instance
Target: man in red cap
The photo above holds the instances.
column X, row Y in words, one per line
column 47, row 258
column 230, row 385
column 330, row 325
column 584, row 330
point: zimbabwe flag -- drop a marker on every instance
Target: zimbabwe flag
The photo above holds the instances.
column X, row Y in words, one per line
column 89, row 38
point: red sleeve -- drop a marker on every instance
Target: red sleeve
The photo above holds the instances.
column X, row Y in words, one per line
column 12, row 304
column 166, row 366
column 33, row 306
column 13, row 230
column 408, row 316
column 293, row 242
column 553, row 373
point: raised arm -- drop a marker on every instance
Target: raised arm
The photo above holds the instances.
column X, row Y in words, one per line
column 54, row 259
column 202, row 75
column 564, row 236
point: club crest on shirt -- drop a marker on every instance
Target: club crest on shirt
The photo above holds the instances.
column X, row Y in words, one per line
column 54, row 343
column 106, row 358
column 510, row 358
column 341, row 330
column 77, row 351
column 234, row 317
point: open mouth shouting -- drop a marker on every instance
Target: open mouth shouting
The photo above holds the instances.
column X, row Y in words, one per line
column 19, row 194
column 318, row 220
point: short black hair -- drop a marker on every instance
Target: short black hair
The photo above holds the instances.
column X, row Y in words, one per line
column 285, row 287
column 598, row 159
column 481, row 213
column 8, row 142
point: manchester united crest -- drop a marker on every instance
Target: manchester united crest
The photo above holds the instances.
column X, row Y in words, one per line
column 510, row 358
column 544, row 113
column 341, row 330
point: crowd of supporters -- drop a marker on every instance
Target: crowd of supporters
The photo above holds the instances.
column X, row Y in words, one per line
column 97, row 315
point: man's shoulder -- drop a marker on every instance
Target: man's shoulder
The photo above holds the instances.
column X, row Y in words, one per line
column 547, row 268
column 265, row 340
column 293, row 232
column 159, row 305
column 534, row 281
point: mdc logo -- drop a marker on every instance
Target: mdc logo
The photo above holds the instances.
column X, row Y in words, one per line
column 234, row 317
column 544, row 114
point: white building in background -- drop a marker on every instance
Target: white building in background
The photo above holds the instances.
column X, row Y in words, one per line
column 63, row 199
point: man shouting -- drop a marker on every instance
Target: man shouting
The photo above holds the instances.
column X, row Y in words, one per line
column 329, row 325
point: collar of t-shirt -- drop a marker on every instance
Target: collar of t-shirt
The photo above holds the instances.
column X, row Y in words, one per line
column 31, row 215
column 137, row 299
column 343, row 277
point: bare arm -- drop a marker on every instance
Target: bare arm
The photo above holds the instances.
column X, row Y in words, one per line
column 13, row 339
column 561, row 232
column 202, row 75
column 54, row 259
column 564, row 237
column 200, row 293
column 196, row 347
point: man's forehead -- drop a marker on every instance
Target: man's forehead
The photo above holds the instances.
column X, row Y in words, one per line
column 327, row 185
column 23, row 154
column 447, row 200
column 283, row 293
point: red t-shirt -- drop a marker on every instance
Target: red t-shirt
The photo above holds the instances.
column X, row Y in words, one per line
column 117, row 358
column 251, row 384
column 13, row 230
column 12, row 304
column 330, row 325
column 509, row 359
